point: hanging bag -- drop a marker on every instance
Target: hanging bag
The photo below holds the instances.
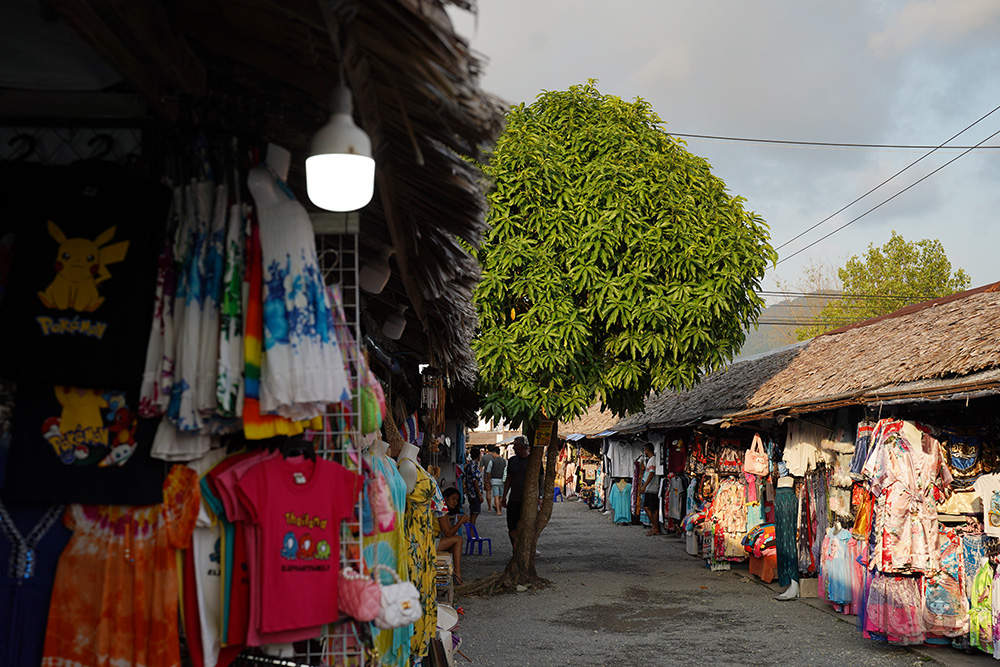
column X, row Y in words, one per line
column 381, row 504
column 755, row 461
column 400, row 602
column 729, row 462
column 358, row 596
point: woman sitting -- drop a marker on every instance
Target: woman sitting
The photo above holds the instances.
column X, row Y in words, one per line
column 447, row 531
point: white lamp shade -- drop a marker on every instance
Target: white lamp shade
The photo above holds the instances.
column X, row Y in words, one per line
column 374, row 274
column 340, row 171
column 394, row 325
column 340, row 181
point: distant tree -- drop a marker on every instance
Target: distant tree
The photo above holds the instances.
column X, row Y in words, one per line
column 616, row 264
column 888, row 278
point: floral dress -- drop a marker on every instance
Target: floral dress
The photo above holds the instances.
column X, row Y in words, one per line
column 303, row 368
column 229, row 384
column 115, row 597
column 946, row 606
column 907, row 473
column 392, row 549
column 420, row 520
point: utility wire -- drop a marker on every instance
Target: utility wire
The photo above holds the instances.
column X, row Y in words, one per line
column 833, row 144
column 880, row 205
column 927, row 154
column 844, row 295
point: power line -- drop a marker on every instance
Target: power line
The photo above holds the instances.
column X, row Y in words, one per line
column 803, row 323
column 934, row 149
column 883, row 203
column 825, row 144
column 845, row 295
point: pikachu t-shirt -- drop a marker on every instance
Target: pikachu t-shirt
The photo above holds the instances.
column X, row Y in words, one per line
column 80, row 292
column 81, row 445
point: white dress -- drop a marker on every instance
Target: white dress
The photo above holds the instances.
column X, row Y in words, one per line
column 191, row 250
column 229, row 386
column 302, row 370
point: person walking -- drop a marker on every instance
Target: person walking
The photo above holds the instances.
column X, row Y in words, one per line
column 513, row 490
column 474, row 485
column 498, row 469
column 650, row 490
column 486, row 467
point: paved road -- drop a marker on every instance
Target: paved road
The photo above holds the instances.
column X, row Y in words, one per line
column 622, row 599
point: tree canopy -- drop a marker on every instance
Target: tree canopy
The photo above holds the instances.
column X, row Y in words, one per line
column 888, row 278
column 616, row 262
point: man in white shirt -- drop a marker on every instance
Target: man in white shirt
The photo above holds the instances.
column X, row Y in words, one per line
column 651, row 490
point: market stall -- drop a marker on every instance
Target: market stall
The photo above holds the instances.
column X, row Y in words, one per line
column 196, row 359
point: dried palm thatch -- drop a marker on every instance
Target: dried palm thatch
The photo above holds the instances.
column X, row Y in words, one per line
column 716, row 395
column 594, row 421
column 942, row 346
column 267, row 68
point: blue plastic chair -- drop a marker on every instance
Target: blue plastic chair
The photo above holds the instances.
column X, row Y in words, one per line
column 472, row 538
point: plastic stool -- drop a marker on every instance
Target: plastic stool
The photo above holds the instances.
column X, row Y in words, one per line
column 472, row 539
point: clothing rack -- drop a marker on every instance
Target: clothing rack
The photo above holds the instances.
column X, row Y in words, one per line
column 340, row 440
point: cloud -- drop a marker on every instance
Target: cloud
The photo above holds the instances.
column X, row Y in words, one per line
column 788, row 69
column 925, row 21
column 672, row 63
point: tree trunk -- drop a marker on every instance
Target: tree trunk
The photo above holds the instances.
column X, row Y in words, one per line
column 521, row 568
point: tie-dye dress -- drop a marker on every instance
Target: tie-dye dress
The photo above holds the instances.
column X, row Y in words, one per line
column 115, row 597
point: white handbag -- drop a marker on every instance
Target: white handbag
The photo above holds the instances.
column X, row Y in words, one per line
column 400, row 602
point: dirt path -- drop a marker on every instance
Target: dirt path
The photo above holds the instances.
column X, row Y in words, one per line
column 622, row 599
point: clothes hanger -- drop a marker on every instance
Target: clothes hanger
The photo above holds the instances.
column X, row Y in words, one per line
column 298, row 446
column 106, row 144
column 28, row 144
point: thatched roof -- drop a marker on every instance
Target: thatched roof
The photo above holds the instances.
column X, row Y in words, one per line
column 594, row 421
column 482, row 438
column 717, row 395
column 267, row 67
column 937, row 348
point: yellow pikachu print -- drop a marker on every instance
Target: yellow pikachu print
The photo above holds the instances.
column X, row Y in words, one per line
column 81, row 265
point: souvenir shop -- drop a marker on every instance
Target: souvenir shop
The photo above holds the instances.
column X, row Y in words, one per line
column 888, row 508
column 211, row 413
column 576, row 467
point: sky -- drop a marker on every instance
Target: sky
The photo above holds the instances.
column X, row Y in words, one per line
column 908, row 72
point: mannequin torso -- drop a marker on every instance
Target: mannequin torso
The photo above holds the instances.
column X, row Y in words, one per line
column 407, row 464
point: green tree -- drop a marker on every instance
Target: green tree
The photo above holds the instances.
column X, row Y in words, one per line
column 886, row 279
column 616, row 264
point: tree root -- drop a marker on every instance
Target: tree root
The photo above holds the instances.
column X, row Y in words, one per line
column 499, row 583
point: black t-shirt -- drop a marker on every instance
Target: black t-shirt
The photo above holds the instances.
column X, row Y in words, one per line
column 517, row 468
column 78, row 301
column 72, row 445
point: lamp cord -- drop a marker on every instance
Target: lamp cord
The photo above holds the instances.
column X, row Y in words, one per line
column 282, row 185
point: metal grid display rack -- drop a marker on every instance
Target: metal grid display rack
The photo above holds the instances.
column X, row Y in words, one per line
column 339, row 441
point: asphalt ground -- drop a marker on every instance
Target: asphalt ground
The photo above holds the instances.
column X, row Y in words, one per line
column 620, row 598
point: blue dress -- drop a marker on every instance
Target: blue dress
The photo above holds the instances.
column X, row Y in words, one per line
column 621, row 502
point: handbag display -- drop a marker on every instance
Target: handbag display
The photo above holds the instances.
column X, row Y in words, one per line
column 358, row 596
column 381, row 505
column 400, row 602
column 730, row 460
column 755, row 462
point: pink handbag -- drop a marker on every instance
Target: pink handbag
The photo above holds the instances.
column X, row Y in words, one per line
column 382, row 509
column 755, row 461
column 359, row 597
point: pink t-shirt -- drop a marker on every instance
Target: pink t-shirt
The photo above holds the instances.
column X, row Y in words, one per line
column 245, row 595
column 298, row 506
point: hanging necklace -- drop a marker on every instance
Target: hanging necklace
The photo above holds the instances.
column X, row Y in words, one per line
column 22, row 556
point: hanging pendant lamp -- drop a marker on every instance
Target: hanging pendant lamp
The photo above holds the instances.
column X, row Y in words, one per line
column 394, row 323
column 340, row 170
